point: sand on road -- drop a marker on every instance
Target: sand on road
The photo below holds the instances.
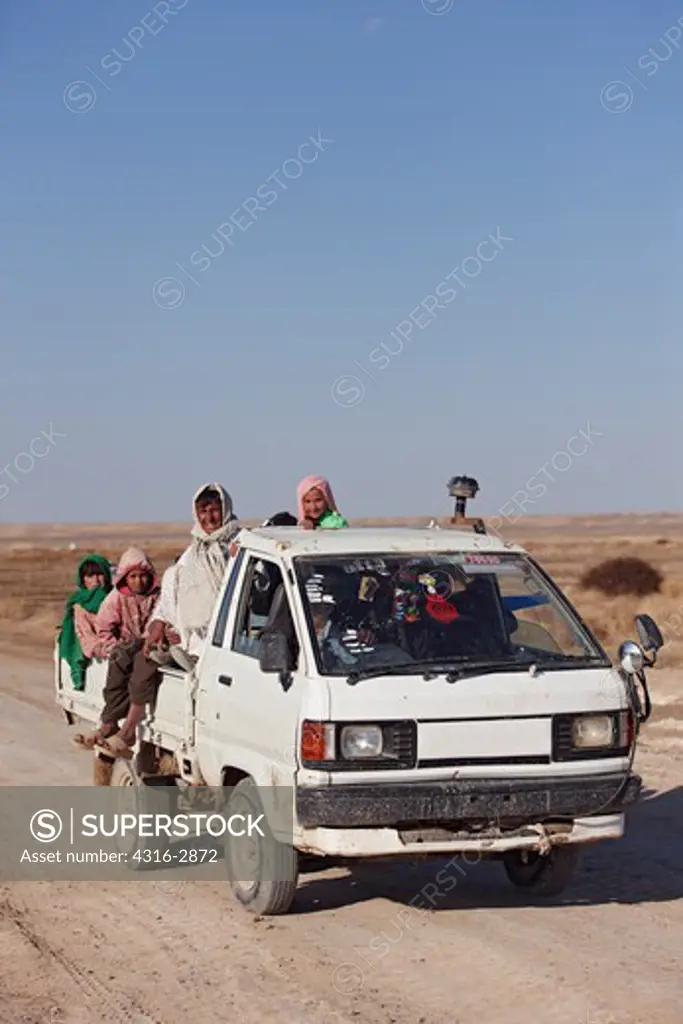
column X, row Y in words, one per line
column 608, row 952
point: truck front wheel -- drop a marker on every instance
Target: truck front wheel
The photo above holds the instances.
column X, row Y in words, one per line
column 542, row 876
column 270, row 867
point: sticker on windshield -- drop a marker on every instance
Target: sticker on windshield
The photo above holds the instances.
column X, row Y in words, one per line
column 477, row 559
column 505, row 568
column 366, row 565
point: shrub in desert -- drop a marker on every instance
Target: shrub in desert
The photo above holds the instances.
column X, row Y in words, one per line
column 623, row 576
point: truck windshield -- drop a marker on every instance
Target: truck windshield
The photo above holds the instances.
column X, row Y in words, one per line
column 368, row 613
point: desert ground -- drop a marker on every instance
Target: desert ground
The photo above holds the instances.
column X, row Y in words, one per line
column 607, row 952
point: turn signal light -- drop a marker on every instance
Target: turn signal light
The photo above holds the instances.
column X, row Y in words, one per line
column 627, row 728
column 317, row 741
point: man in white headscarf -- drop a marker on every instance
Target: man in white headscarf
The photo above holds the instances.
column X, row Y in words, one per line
column 191, row 586
column 189, row 590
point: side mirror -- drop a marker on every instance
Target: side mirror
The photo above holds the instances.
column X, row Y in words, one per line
column 274, row 653
column 649, row 633
column 631, row 658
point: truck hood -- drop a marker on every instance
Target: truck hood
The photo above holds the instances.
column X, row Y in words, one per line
column 499, row 695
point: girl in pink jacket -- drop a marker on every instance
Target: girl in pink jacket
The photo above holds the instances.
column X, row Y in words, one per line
column 121, row 628
column 125, row 612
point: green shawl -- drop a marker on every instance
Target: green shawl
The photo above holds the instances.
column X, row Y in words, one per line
column 332, row 520
column 69, row 645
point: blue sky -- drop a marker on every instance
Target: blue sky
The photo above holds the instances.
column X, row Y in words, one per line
column 445, row 124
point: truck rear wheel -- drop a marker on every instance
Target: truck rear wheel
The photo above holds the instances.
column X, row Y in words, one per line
column 142, row 851
column 270, row 866
column 542, row 876
column 122, row 773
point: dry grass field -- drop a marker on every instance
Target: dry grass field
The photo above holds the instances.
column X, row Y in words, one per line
column 37, row 567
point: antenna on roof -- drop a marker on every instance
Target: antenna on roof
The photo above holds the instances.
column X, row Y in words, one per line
column 462, row 488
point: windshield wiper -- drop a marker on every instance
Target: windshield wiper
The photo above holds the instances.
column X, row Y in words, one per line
column 550, row 659
column 570, row 661
column 452, row 669
column 465, row 665
column 544, row 663
column 411, row 668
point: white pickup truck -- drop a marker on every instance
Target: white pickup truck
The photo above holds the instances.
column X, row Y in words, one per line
column 421, row 691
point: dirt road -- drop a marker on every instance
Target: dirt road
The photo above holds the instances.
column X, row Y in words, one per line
column 349, row 953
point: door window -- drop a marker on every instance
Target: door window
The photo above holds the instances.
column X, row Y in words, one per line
column 263, row 601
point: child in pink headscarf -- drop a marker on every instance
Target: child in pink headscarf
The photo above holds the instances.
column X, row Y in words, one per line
column 316, row 504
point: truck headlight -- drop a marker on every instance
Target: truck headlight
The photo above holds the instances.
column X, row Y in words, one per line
column 359, row 741
column 578, row 737
column 589, row 731
column 358, row 746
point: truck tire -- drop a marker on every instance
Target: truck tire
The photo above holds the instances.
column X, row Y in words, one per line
column 542, row 876
column 273, row 866
column 122, row 773
column 142, row 852
column 102, row 770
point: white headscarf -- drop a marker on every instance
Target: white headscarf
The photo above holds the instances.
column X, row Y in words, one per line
column 201, row 570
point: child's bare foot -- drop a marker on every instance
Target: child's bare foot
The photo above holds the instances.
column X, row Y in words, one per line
column 118, row 746
column 84, row 742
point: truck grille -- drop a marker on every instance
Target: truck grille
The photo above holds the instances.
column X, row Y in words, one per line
column 401, row 739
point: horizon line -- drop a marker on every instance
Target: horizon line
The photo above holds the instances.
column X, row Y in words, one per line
column 255, row 520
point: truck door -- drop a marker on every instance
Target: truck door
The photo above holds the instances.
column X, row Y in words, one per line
column 247, row 719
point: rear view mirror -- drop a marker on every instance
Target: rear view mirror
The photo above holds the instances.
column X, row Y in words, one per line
column 649, row 633
column 631, row 658
column 274, row 653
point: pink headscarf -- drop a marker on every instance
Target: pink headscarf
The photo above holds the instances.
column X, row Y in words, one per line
column 310, row 483
column 131, row 559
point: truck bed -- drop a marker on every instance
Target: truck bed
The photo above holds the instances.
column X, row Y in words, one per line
column 171, row 724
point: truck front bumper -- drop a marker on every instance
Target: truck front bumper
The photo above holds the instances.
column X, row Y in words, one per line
column 482, row 817
column 466, row 802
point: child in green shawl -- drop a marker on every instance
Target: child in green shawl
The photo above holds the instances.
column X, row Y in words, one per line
column 78, row 640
